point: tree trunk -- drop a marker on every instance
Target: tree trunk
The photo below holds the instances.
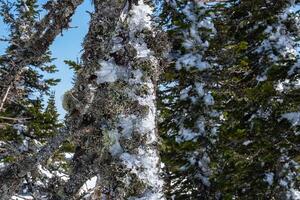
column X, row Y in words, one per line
column 118, row 83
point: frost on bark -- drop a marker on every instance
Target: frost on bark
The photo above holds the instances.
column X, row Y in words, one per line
column 130, row 136
column 89, row 103
column 116, row 90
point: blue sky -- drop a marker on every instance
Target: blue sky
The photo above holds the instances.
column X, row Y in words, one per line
column 66, row 47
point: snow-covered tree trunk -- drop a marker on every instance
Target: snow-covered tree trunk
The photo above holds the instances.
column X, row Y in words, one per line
column 88, row 103
column 116, row 90
column 130, row 136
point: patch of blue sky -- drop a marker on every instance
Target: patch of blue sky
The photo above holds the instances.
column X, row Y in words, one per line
column 67, row 46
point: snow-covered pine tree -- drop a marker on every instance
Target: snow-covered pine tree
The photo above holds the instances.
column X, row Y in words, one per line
column 257, row 156
column 187, row 118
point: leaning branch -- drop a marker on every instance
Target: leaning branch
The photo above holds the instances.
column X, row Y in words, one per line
column 57, row 19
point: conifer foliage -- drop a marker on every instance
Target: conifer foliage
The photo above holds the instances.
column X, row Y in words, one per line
column 171, row 99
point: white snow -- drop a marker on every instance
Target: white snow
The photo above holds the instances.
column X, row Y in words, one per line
column 144, row 165
column 269, row 177
column 115, row 148
column 184, row 94
column 68, row 156
column 193, row 40
column 279, row 39
column 200, row 89
column 190, row 60
column 293, row 118
column 247, row 142
column 147, row 125
column 204, row 180
column 201, row 126
column 261, row 78
column 88, row 185
column 137, row 76
column 140, row 17
column 22, row 197
column 20, row 128
column 139, row 20
column 208, row 99
column 127, row 123
column 44, row 171
column 186, row 135
column 295, row 194
column 25, row 145
column 107, row 73
column 141, row 49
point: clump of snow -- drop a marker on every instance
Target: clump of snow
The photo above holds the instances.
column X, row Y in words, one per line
column 25, row 145
column 140, row 17
column 184, row 94
column 269, row 178
column 194, row 42
column 144, row 165
column 200, row 89
column 190, row 60
column 88, row 185
column 146, row 125
column 137, row 76
column 116, row 44
column 68, row 156
column 247, row 142
column 45, row 172
column 107, row 73
column 294, row 194
column 20, row 128
column 127, row 123
column 293, row 118
column 148, row 196
column 207, row 24
column 22, row 197
column 139, row 20
column 141, row 49
column 115, row 148
column 203, row 164
column 2, row 165
column 261, row 78
column 279, row 40
column 208, row 99
column 201, row 126
column 204, row 180
column 186, row 135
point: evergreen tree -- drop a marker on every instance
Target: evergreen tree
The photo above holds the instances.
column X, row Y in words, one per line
column 21, row 108
column 228, row 102
column 24, row 124
column 256, row 156
column 188, row 121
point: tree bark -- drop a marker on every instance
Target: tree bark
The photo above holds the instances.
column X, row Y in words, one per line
column 118, row 82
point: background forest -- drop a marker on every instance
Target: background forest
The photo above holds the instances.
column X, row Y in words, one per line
column 169, row 99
